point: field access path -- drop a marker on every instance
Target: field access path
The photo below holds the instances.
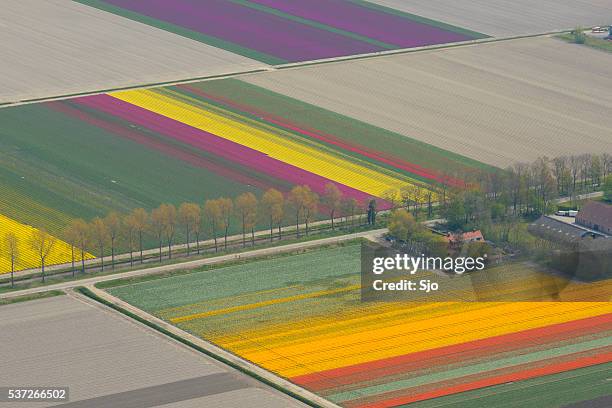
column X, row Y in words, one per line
column 372, row 234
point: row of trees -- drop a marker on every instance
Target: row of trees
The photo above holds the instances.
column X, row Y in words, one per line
column 131, row 232
column 39, row 241
column 525, row 189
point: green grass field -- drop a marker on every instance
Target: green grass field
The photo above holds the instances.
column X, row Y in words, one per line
column 55, row 168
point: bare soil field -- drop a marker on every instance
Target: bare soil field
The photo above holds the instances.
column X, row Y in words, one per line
column 504, row 18
column 108, row 360
column 60, row 47
column 498, row 103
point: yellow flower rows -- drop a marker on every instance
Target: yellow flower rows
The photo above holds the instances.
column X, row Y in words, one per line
column 322, row 163
column 293, row 345
column 28, row 258
column 343, row 340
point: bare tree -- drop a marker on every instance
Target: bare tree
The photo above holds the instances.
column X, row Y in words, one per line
column 100, row 235
column 169, row 222
column 349, row 206
column 332, row 198
column 113, row 225
column 559, row 169
column 190, row 217
column 246, row 206
column 81, row 232
column 71, row 237
column 226, row 205
column 157, row 225
column 311, row 207
column 129, row 233
column 11, row 245
column 42, row 243
column 273, row 205
column 213, row 213
column 139, row 218
column 606, row 165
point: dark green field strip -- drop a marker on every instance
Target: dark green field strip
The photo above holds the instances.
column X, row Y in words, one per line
column 345, row 128
column 194, row 35
column 81, row 170
column 543, row 392
column 185, row 93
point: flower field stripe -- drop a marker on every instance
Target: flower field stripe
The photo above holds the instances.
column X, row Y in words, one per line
column 582, row 385
column 488, row 382
column 287, row 318
column 290, row 152
column 329, row 139
column 414, row 361
column 28, row 258
column 182, row 31
column 420, row 19
column 244, row 177
column 389, row 28
column 346, row 128
column 313, row 23
column 253, row 29
column 600, row 346
column 369, row 345
column 357, row 399
column 179, row 309
column 217, row 146
column 284, row 136
column 263, row 304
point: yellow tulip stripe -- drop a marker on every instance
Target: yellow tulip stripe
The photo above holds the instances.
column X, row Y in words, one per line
column 367, row 340
column 27, row 257
column 302, row 318
column 268, row 140
column 307, row 343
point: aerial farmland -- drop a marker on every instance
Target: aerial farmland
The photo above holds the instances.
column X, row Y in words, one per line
column 305, row 203
column 301, row 318
column 498, row 18
column 56, row 48
column 107, row 359
column 498, row 103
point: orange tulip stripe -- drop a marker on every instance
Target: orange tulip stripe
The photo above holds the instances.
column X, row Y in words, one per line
column 301, row 318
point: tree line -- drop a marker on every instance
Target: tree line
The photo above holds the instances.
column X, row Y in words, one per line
column 215, row 216
column 525, row 190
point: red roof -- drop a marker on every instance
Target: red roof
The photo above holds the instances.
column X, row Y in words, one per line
column 465, row 237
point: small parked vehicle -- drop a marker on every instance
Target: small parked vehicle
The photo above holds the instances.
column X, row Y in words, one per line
column 599, row 29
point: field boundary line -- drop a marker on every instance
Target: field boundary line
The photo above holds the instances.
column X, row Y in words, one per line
column 271, row 68
column 207, row 348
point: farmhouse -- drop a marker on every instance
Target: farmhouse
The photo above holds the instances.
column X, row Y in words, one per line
column 456, row 240
column 596, row 216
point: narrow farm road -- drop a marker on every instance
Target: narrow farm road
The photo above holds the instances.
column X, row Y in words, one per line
column 373, row 234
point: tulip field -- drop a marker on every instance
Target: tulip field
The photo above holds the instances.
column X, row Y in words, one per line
column 86, row 156
column 301, row 317
column 277, row 32
column 28, row 257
